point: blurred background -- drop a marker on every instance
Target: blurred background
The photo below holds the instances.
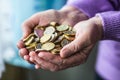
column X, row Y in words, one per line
column 12, row 14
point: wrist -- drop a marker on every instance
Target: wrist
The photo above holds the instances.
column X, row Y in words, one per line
column 70, row 11
column 97, row 21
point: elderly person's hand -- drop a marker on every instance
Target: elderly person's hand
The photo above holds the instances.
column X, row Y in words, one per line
column 87, row 34
column 67, row 15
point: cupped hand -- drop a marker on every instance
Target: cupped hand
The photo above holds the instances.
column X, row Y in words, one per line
column 67, row 15
column 87, row 34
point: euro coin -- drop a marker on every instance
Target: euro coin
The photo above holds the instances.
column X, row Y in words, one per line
column 32, row 34
column 38, row 46
column 48, row 46
column 69, row 38
column 69, row 33
column 37, row 39
column 53, row 37
column 49, row 30
column 53, row 23
column 45, row 38
column 62, row 27
column 39, row 27
column 29, row 41
column 55, row 51
column 60, row 38
column 31, row 47
column 64, row 42
column 39, row 50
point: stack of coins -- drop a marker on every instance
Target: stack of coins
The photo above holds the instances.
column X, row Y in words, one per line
column 51, row 38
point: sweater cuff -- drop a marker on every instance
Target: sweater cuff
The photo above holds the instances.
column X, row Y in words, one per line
column 111, row 25
column 91, row 7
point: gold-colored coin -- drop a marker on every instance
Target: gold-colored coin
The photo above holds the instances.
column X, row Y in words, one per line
column 55, row 51
column 49, row 30
column 62, row 27
column 31, row 47
column 69, row 33
column 32, row 34
column 29, row 41
column 39, row 27
column 53, row 23
column 64, row 42
column 39, row 50
column 69, row 38
column 45, row 38
column 48, row 46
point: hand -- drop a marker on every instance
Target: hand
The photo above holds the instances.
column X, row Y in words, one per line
column 67, row 15
column 87, row 34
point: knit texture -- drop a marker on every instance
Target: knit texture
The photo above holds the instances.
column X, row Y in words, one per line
column 91, row 7
column 111, row 25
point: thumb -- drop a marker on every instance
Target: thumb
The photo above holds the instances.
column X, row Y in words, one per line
column 72, row 48
column 26, row 32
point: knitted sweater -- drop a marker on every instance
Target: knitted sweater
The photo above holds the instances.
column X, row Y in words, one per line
column 108, row 60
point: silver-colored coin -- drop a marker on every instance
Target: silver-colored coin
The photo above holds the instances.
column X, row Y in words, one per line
column 37, row 39
column 64, row 42
column 38, row 46
column 49, row 30
column 59, row 39
column 62, row 27
column 53, row 37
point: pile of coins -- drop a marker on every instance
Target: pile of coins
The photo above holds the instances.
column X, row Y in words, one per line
column 51, row 38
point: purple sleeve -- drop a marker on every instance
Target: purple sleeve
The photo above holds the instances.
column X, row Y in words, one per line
column 111, row 25
column 91, row 7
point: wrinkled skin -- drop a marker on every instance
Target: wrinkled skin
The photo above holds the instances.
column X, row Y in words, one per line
column 72, row 54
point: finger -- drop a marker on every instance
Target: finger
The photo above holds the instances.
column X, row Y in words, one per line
column 55, row 59
column 29, row 24
column 37, row 66
column 79, row 58
column 44, row 64
column 32, row 60
column 20, row 44
column 26, row 57
column 72, row 47
column 23, row 52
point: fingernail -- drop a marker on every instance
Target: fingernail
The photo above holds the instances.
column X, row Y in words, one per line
column 37, row 66
column 31, row 59
column 40, row 55
column 26, row 57
column 31, row 53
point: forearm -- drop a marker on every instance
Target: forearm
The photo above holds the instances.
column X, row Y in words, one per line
column 91, row 7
